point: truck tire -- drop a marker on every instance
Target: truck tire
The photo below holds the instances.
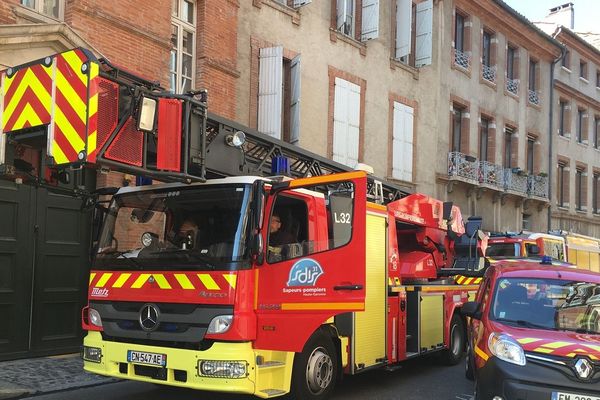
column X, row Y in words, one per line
column 454, row 353
column 315, row 369
column 469, row 364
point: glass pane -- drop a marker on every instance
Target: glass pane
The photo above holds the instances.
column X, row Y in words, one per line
column 174, row 8
column 188, row 11
column 188, row 43
column 186, row 66
column 173, row 83
column 51, row 8
column 174, row 36
column 173, row 62
column 28, row 3
column 186, row 85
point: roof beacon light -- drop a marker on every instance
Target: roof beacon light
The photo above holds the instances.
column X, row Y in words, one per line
column 546, row 260
column 280, row 165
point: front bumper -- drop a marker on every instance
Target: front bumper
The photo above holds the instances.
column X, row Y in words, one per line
column 534, row 381
column 181, row 368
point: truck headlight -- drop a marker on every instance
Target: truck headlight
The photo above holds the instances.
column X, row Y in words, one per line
column 93, row 354
column 506, row 348
column 222, row 369
column 220, row 324
column 94, row 317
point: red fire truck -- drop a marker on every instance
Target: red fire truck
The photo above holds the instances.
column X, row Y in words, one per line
column 224, row 278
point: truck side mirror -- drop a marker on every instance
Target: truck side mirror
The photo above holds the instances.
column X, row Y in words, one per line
column 447, row 210
column 471, row 309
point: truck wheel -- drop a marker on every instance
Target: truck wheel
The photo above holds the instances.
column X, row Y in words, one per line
column 315, row 369
column 469, row 368
column 454, row 353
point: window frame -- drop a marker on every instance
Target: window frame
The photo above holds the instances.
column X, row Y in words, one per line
column 583, row 69
column 183, row 26
column 530, row 154
column 561, row 184
column 595, row 183
column 579, row 182
column 38, row 7
column 484, row 138
column 562, row 114
column 457, row 117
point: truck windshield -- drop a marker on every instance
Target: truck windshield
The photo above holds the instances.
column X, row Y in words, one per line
column 503, row 250
column 550, row 304
column 189, row 228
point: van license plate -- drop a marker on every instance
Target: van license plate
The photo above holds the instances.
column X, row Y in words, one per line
column 141, row 357
column 572, row 396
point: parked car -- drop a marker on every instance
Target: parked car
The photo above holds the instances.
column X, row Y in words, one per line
column 534, row 333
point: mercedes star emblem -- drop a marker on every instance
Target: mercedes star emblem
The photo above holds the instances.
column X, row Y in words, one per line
column 149, row 317
column 583, row 368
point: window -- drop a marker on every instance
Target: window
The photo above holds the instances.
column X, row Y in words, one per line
column 583, row 69
column 348, row 16
column 597, row 132
column 580, row 190
column 279, row 95
column 488, row 62
column 512, row 70
column 294, row 3
column 530, row 155
column 461, row 41
column 533, row 82
column 346, row 122
column 562, row 184
column 183, row 50
column 508, row 144
column 414, row 32
column 595, row 199
column 484, row 139
column 562, row 118
column 402, row 146
column 457, row 115
column 51, row 8
column 598, row 79
column 566, row 61
column 581, row 126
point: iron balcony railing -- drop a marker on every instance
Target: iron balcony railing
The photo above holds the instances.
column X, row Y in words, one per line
column 469, row 169
column 462, row 59
column 489, row 73
column 534, row 97
column 512, row 85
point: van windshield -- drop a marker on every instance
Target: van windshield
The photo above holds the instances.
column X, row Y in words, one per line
column 202, row 227
column 503, row 250
column 548, row 304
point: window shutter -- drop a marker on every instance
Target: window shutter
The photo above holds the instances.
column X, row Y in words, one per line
column 295, row 100
column 403, row 27
column 270, row 91
column 402, row 143
column 346, row 122
column 300, row 3
column 424, row 24
column 370, row 20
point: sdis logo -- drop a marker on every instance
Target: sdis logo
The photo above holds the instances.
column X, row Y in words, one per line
column 305, row 273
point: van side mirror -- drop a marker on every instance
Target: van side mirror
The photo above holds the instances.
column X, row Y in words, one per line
column 471, row 309
column 447, row 210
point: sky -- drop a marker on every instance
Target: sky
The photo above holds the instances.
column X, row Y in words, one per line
column 587, row 12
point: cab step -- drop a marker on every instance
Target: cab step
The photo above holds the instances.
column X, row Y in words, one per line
column 392, row 368
column 271, row 364
column 272, row 392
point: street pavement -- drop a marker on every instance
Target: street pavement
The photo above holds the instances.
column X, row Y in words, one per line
column 62, row 378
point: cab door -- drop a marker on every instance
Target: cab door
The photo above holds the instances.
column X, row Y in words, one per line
column 320, row 275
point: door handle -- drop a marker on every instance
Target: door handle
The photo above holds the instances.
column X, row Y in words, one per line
column 348, row 287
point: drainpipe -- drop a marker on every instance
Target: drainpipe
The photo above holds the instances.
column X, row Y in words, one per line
column 563, row 52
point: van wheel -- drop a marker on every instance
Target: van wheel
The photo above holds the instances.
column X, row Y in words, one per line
column 315, row 369
column 454, row 353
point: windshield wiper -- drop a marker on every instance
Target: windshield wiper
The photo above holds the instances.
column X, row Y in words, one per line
column 190, row 254
column 528, row 324
column 120, row 255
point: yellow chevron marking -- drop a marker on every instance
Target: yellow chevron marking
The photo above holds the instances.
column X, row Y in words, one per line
column 468, row 281
column 321, row 306
column 593, row 357
column 528, row 340
column 75, row 62
column 67, row 129
column 103, row 279
column 72, row 97
column 93, row 104
column 593, row 347
column 91, row 142
column 29, row 80
column 58, row 154
column 390, row 283
column 139, row 282
column 231, row 278
column 92, row 276
column 27, row 115
column 162, row 281
column 184, row 281
column 543, row 350
column 121, row 280
column 481, row 353
column 396, row 280
column 557, row 345
column 477, row 281
column 208, row 282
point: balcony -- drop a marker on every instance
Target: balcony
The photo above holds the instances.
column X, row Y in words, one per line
column 489, row 73
column 486, row 175
column 512, row 86
column 534, row 97
column 462, row 59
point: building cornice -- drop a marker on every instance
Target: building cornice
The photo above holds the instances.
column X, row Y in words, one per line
column 567, row 90
column 577, row 43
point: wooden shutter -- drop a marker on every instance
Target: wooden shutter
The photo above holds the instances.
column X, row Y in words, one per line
column 402, row 143
column 424, row 25
column 295, row 100
column 370, row 20
column 403, row 27
column 270, row 91
column 346, row 122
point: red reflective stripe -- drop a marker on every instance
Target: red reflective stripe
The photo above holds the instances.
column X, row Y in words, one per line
column 64, row 144
column 72, row 78
column 63, row 104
